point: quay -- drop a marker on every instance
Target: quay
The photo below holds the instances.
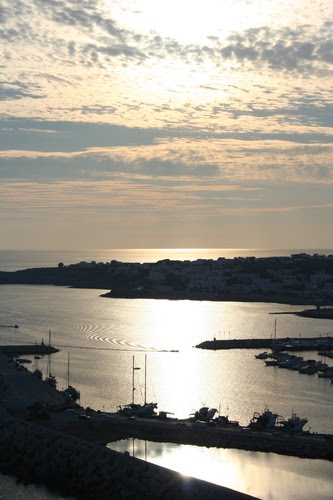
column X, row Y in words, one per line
column 17, row 350
column 288, row 343
column 106, row 428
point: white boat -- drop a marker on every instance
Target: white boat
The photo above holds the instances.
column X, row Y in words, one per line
column 136, row 409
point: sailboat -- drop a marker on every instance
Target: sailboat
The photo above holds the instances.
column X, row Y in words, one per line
column 36, row 371
column 50, row 379
column 70, row 391
column 274, row 337
column 136, row 409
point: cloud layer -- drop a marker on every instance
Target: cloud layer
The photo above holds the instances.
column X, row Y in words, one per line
column 109, row 113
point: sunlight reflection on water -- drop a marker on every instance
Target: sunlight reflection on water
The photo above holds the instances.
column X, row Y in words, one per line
column 102, row 335
column 265, row 475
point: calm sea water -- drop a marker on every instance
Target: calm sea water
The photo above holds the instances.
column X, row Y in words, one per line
column 262, row 475
column 102, row 335
column 12, row 260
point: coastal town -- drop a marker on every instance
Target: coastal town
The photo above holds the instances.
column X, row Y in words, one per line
column 300, row 278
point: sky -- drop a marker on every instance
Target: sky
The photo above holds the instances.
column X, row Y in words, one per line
column 165, row 124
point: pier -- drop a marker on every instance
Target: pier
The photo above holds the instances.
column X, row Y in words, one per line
column 286, row 343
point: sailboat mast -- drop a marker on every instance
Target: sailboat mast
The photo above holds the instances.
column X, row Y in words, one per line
column 68, row 371
column 133, row 388
column 145, row 378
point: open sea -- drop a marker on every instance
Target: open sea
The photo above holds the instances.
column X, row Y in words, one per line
column 102, row 335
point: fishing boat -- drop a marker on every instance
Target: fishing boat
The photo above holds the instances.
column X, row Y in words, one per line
column 204, row 414
column 292, row 424
column 136, row 409
column 265, row 420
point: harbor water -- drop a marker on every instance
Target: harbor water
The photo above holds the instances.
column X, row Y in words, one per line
column 102, row 335
column 262, row 475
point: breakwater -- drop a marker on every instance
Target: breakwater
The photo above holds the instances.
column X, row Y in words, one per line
column 88, row 471
column 17, row 350
column 288, row 343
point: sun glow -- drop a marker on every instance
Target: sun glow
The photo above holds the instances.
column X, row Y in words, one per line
column 188, row 21
column 191, row 22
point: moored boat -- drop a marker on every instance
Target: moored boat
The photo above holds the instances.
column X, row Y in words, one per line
column 265, row 420
column 38, row 373
column 204, row 414
column 262, row 355
column 292, row 424
column 71, row 391
column 51, row 380
column 136, row 409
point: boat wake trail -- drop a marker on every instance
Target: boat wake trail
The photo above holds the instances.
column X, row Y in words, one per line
column 97, row 333
column 94, row 348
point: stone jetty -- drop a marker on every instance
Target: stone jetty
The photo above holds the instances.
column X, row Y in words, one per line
column 288, row 343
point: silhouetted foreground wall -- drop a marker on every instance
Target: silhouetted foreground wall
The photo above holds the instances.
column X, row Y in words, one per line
column 88, row 471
